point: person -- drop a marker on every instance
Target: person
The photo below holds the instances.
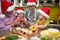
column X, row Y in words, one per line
column 43, row 20
column 31, row 12
column 9, row 16
column 21, row 21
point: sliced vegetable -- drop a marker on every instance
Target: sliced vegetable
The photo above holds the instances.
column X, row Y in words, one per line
column 12, row 37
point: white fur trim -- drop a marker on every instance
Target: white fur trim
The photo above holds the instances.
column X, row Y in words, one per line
column 2, row 16
column 43, row 13
column 20, row 11
column 31, row 3
column 53, row 30
column 11, row 8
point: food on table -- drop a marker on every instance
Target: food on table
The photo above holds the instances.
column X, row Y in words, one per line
column 43, row 38
column 44, row 33
column 3, row 38
column 50, row 32
column 53, row 32
column 12, row 37
column 18, row 28
column 22, row 31
column 22, row 39
column 26, row 30
column 59, row 34
column 30, row 32
column 19, row 36
column 33, row 28
column 34, row 38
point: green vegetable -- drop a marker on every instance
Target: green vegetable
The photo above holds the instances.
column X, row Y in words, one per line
column 15, row 36
column 11, row 37
column 43, row 38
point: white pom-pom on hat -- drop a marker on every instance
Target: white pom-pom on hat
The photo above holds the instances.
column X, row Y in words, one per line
column 2, row 16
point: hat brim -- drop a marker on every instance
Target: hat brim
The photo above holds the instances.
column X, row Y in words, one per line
column 43, row 13
column 31, row 3
column 11, row 8
column 20, row 11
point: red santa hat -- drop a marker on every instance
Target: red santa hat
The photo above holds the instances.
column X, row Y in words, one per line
column 6, row 6
column 11, row 8
column 45, row 12
column 20, row 10
column 31, row 2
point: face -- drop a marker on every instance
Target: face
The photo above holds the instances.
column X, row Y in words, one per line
column 8, row 13
column 32, row 8
column 41, row 17
column 21, row 15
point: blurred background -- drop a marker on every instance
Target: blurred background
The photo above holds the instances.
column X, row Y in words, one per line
column 39, row 2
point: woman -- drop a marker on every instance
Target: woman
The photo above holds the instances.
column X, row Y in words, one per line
column 6, row 22
column 31, row 12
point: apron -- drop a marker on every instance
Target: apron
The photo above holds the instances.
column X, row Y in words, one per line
column 29, row 18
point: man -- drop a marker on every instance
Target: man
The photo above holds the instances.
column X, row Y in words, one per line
column 8, row 18
column 31, row 12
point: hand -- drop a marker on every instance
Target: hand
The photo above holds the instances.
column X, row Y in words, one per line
column 22, row 25
column 41, row 26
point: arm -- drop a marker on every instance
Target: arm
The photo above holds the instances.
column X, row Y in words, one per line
column 14, row 23
column 25, row 21
column 2, row 23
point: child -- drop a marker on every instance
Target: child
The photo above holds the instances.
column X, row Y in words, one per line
column 20, row 21
column 43, row 20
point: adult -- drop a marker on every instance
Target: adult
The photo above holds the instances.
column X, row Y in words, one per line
column 8, row 16
column 31, row 12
